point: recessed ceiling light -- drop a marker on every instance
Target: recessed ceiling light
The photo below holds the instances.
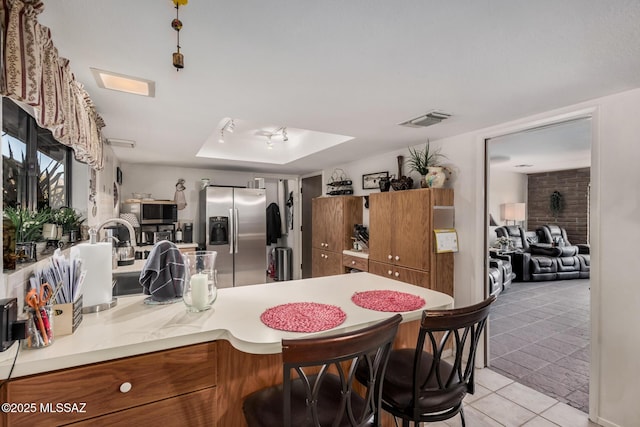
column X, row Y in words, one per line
column 523, row 165
column 124, row 83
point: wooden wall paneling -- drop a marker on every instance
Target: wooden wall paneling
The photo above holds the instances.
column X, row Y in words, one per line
column 240, row 374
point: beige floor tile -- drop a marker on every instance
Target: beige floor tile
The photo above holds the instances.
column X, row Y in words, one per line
column 529, row 398
column 473, row 418
column 503, row 410
column 491, row 380
column 539, row 422
column 480, row 393
column 566, row 416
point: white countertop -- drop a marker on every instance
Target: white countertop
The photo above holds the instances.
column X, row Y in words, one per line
column 133, row 328
column 359, row 254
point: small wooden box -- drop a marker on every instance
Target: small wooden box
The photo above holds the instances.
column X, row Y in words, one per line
column 67, row 317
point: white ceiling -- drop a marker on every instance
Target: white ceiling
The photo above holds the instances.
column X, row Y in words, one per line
column 555, row 147
column 355, row 68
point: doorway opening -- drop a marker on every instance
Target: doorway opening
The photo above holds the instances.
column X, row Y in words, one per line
column 311, row 187
column 539, row 327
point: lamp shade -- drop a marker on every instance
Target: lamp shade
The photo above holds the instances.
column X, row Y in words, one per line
column 514, row 211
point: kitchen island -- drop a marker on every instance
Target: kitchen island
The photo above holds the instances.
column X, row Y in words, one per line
column 204, row 362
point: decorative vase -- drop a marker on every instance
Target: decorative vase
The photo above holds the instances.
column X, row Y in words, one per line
column 436, row 177
column 384, row 184
column 423, row 182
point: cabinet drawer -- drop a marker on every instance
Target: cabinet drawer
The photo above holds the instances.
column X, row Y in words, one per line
column 102, row 386
column 351, row 261
column 192, row 409
column 407, row 275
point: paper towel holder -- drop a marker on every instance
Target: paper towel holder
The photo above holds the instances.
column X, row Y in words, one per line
column 102, row 307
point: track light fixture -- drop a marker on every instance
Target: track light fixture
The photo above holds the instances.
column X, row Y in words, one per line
column 229, row 126
column 281, row 132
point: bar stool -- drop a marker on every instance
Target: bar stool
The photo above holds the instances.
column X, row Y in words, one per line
column 321, row 390
column 419, row 385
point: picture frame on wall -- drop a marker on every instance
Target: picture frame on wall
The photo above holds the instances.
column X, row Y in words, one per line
column 371, row 181
column 118, row 175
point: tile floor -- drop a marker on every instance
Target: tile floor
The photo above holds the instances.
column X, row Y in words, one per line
column 539, row 337
column 500, row 401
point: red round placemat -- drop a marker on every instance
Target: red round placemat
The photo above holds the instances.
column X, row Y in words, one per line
column 387, row 301
column 303, row 317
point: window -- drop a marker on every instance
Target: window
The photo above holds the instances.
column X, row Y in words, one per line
column 35, row 166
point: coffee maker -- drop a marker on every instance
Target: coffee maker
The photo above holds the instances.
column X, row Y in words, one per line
column 187, row 232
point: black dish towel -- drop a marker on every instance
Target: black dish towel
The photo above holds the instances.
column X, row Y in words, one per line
column 163, row 273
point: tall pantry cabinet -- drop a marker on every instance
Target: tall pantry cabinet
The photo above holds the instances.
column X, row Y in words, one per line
column 401, row 238
column 333, row 221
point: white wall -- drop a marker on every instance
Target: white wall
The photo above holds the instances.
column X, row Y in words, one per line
column 505, row 187
column 615, row 233
column 161, row 181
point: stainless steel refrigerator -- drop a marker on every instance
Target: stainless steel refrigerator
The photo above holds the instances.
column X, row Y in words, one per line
column 235, row 227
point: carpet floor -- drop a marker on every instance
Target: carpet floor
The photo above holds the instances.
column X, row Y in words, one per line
column 539, row 337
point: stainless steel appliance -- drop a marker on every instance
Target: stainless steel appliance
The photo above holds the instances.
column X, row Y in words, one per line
column 153, row 211
column 234, row 225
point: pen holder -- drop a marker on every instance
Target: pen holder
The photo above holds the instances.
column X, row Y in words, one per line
column 39, row 327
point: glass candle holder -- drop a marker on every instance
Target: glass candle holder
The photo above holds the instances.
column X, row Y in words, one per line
column 200, row 280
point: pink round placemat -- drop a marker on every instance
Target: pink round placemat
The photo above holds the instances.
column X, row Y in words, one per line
column 387, row 301
column 303, row 317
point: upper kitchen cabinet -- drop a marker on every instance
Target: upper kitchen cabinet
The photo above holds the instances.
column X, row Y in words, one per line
column 333, row 221
column 401, row 233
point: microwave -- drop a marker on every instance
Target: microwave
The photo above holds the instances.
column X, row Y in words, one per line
column 153, row 212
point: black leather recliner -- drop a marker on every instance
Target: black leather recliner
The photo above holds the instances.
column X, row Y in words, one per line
column 556, row 235
column 538, row 259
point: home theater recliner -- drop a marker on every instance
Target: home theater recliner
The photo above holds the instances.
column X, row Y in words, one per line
column 545, row 254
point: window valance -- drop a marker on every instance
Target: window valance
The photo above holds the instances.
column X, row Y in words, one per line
column 34, row 74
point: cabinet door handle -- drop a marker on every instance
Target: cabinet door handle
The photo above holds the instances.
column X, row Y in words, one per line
column 397, row 274
column 397, row 257
column 125, row 387
column 390, row 256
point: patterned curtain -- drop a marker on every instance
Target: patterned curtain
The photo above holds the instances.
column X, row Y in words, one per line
column 34, row 74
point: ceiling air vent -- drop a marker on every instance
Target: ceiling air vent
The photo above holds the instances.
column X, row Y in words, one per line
column 431, row 118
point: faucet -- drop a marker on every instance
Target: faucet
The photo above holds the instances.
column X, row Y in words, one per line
column 132, row 233
column 93, row 232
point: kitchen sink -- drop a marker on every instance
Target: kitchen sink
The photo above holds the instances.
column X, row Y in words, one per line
column 127, row 284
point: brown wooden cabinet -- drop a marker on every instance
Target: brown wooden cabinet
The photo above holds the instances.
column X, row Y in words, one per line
column 401, row 237
column 174, row 382
column 333, row 221
column 326, row 263
column 359, row 263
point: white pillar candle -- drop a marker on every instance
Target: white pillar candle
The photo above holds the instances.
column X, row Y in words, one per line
column 199, row 291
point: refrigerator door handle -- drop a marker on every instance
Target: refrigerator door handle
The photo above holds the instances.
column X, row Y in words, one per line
column 235, row 230
column 231, row 231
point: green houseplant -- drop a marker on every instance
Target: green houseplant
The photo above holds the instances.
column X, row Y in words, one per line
column 28, row 223
column 67, row 218
column 421, row 160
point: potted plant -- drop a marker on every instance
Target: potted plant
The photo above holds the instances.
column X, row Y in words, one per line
column 69, row 220
column 28, row 225
column 426, row 161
